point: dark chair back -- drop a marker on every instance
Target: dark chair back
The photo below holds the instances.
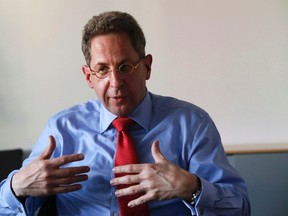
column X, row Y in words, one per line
column 9, row 161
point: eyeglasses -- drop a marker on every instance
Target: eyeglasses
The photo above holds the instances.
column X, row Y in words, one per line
column 103, row 71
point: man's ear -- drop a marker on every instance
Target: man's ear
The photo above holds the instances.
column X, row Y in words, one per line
column 148, row 63
column 87, row 74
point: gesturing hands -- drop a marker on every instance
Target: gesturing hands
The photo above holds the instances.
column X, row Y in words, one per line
column 44, row 176
column 159, row 181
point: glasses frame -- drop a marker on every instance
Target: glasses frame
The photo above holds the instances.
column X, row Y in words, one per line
column 93, row 72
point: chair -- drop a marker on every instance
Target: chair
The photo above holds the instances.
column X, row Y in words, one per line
column 9, row 161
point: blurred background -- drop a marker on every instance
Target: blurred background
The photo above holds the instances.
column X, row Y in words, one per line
column 228, row 57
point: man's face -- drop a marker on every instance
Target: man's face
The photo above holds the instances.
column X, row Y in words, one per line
column 118, row 92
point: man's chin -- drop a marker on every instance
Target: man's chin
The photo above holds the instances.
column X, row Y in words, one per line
column 120, row 110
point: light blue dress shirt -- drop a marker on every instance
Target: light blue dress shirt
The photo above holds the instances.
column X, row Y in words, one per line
column 187, row 136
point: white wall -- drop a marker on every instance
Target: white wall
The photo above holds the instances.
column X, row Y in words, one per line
column 229, row 57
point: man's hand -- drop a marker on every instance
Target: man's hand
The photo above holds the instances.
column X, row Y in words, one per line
column 159, row 181
column 44, row 176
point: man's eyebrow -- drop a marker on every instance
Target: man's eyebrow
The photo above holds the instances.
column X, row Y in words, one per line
column 101, row 64
column 122, row 61
column 126, row 60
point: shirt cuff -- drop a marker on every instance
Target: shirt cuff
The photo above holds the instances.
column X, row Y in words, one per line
column 205, row 198
column 10, row 197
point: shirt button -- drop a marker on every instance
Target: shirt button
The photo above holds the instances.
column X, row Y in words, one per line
column 20, row 210
column 115, row 214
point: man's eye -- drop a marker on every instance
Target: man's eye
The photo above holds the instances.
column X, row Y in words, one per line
column 103, row 70
column 125, row 68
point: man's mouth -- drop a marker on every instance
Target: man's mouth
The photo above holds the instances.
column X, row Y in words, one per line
column 119, row 98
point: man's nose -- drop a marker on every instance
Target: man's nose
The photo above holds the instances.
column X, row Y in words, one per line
column 116, row 79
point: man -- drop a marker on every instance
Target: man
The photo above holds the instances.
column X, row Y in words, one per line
column 181, row 166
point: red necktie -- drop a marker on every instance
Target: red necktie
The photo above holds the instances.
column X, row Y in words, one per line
column 126, row 154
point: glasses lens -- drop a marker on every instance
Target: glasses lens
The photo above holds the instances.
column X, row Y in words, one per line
column 102, row 71
column 126, row 68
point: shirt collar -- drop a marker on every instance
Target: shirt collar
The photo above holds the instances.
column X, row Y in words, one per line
column 141, row 114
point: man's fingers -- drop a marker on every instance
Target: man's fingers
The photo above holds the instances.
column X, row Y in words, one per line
column 69, row 180
column 63, row 189
column 60, row 161
column 142, row 199
column 133, row 189
column 71, row 171
column 156, row 152
column 137, row 168
column 130, row 168
column 127, row 179
column 46, row 154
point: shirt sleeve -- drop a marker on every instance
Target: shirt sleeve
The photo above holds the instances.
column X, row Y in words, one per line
column 9, row 203
column 223, row 191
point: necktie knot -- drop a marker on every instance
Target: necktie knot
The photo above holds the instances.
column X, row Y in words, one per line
column 122, row 123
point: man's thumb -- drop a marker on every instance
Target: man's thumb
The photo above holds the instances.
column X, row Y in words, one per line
column 156, row 153
column 46, row 154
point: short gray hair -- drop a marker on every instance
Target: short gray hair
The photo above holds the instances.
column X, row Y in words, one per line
column 113, row 22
